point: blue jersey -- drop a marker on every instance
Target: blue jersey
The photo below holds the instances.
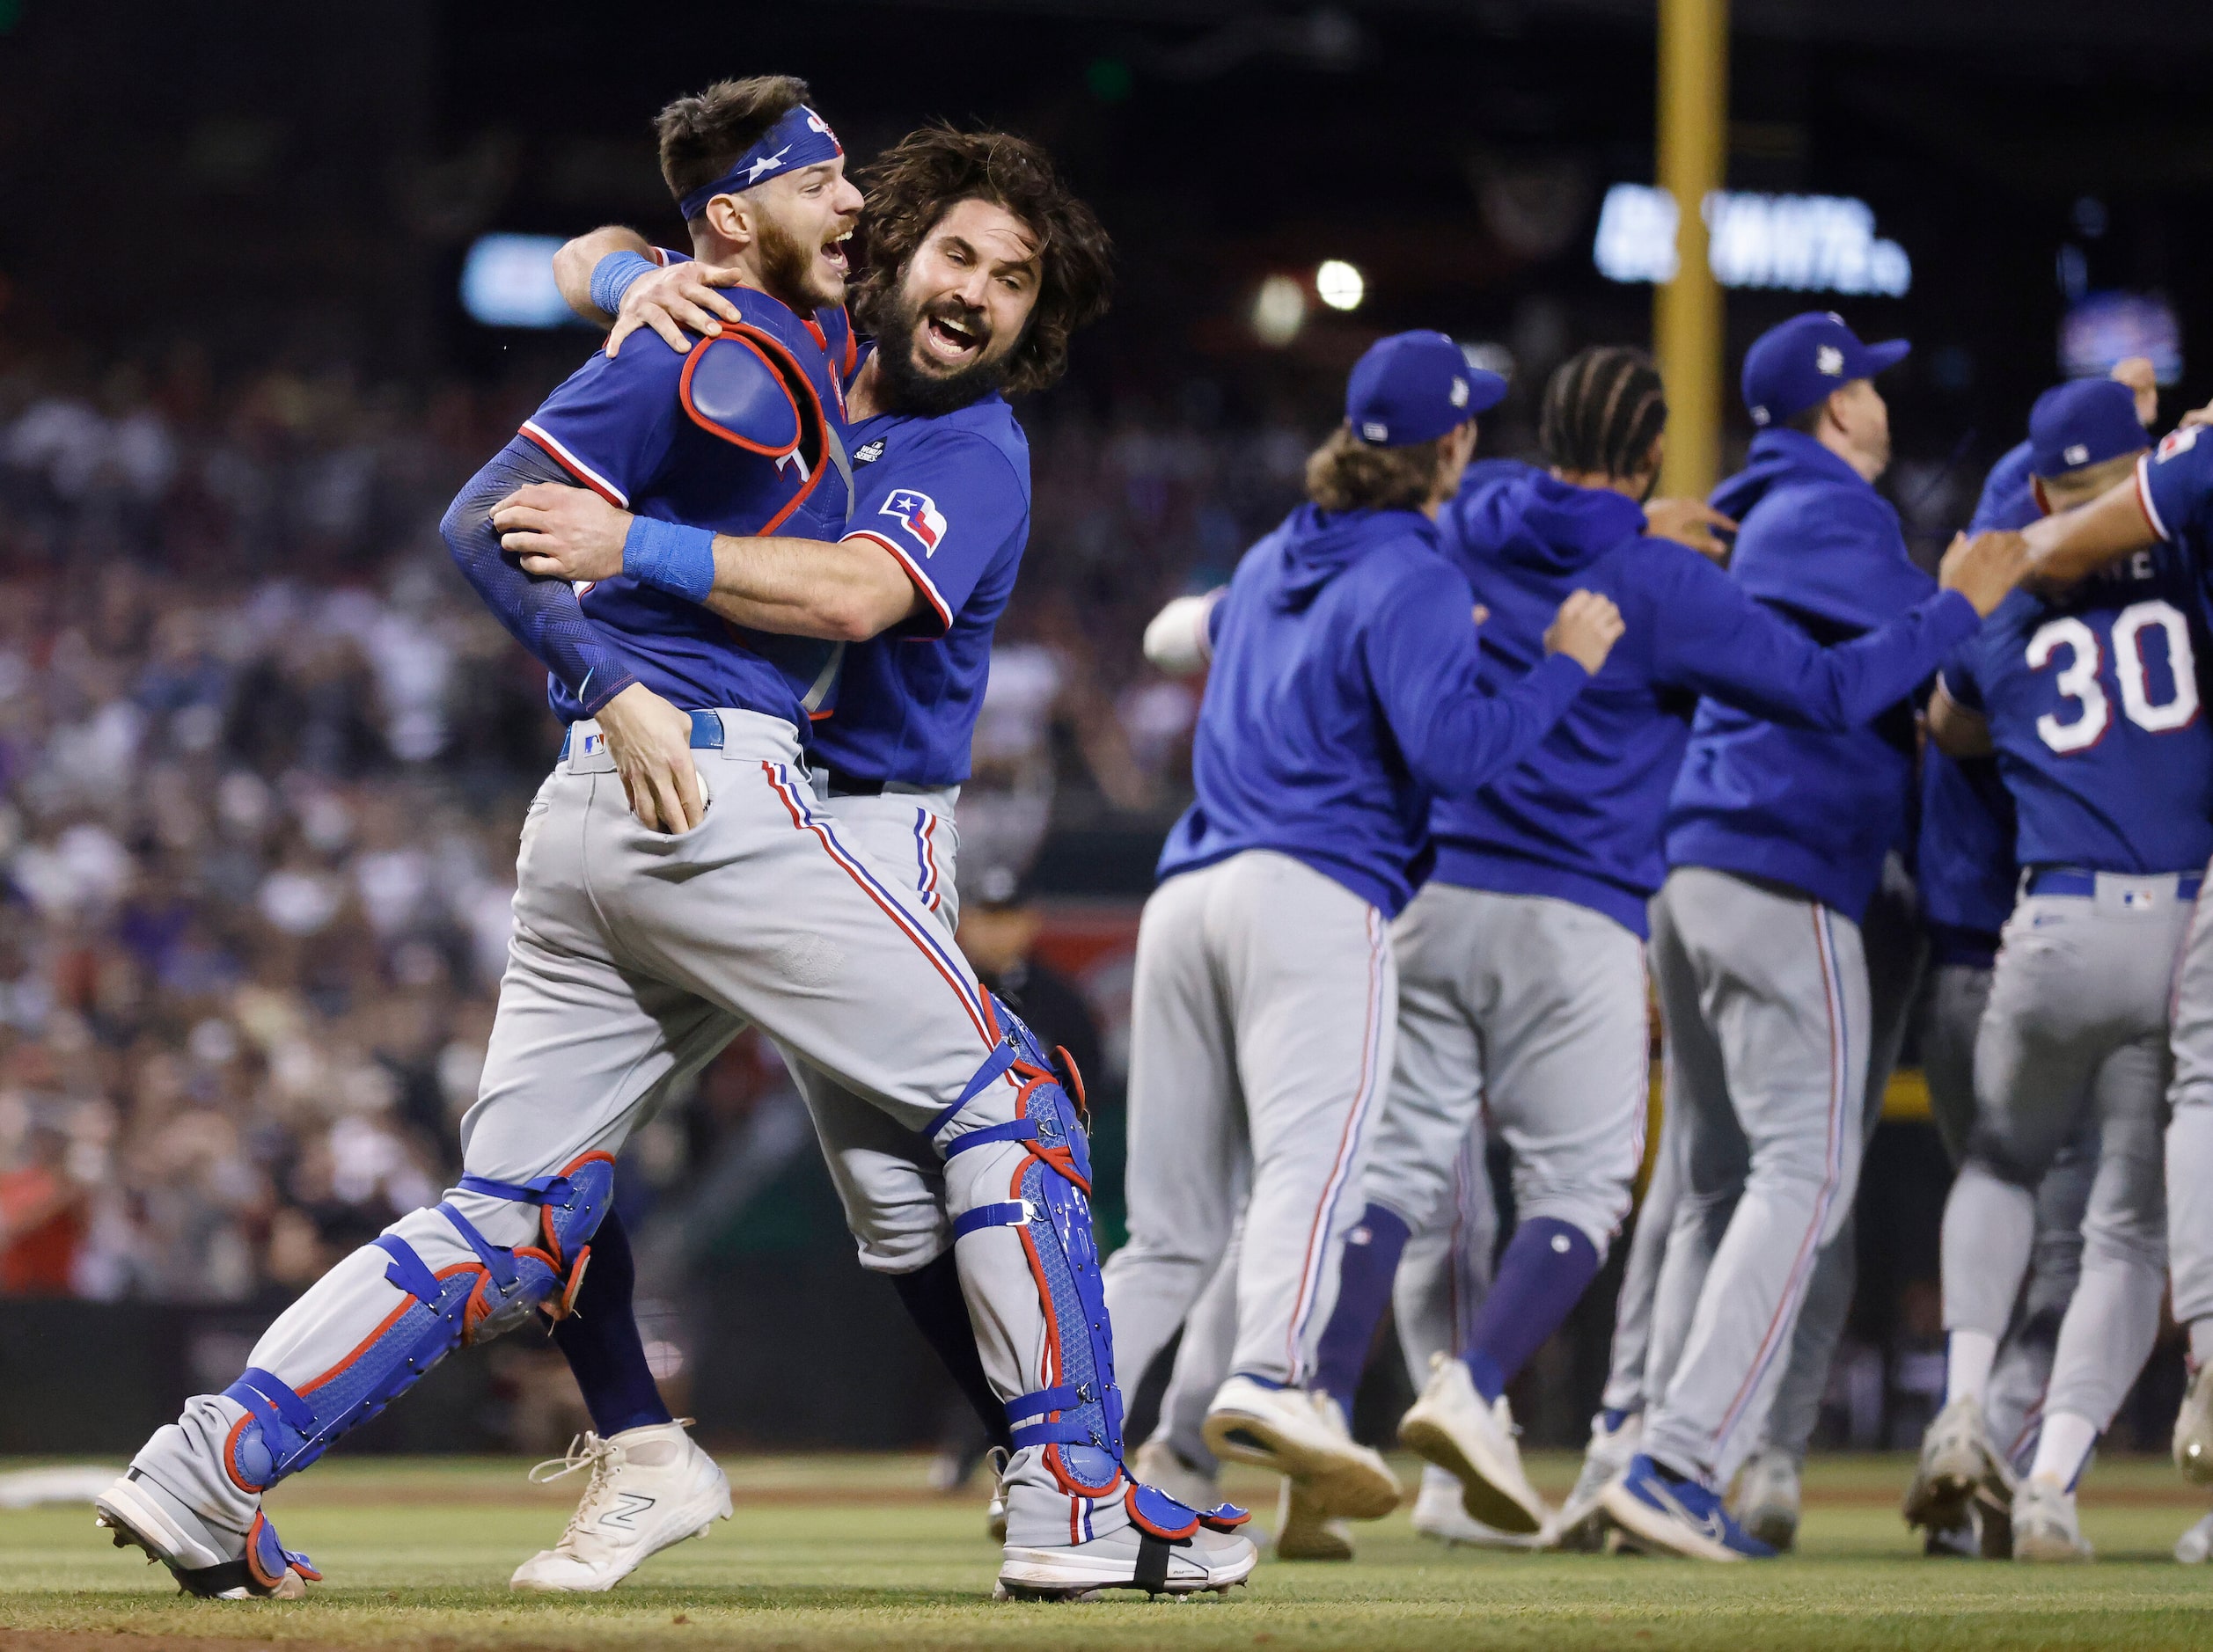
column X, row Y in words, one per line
column 949, row 497
column 1344, row 695
column 2174, row 485
column 1816, row 811
column 2094, row 711
column 2009, row 493
column 642, row 429
column 1580, row 819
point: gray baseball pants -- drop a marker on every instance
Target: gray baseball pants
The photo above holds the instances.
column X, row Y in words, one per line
column 1952, row 1015
column 637, row 955
column 2190, row 1135
column 1522, row 1017
column 2076, row 1033
column 1262, row 1016
column 1897, row 951
column 890, row 1179
column 1763, row 994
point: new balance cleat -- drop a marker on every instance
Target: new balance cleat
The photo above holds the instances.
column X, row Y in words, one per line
column 2194, row 1428
column 1452, row 1427
column 1440, row 1515
column 206, row 1559
column 1305, row 1531
column 649, row 1490
column 1767, row 1499
column 1678, row 1517
column 2046, row 1527
column 1959, row 1466
column 1303, row 1436
column 1581, row 1523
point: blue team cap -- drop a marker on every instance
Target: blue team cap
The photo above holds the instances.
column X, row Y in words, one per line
column 1792, row 366
column 1412, row 387
column 2085, row 423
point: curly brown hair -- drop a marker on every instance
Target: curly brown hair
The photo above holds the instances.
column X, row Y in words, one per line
column 918, row 180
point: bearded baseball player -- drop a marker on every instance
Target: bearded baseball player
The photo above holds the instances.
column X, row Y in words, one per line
column 2167, row 502
column 1344, row 693
column 980, row 266
column 1522, row 998
column 654, row 916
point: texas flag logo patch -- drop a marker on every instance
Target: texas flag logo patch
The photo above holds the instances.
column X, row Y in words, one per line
column 919, row 515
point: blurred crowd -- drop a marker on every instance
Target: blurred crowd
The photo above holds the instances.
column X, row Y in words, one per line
column 263, row 757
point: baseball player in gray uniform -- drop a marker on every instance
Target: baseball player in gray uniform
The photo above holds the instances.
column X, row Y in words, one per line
column 644, row 938
column 1344, row 694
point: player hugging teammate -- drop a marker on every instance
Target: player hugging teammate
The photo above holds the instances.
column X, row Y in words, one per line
column 1480, row 742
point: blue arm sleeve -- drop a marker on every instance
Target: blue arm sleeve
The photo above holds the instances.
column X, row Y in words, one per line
column 1712, row 638
column 1422, row 662
column 541, row 614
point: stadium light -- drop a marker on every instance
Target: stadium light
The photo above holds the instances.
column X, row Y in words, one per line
column 1339, row 285
column 1278, row 311
column 507, row 280
column 1819, row 244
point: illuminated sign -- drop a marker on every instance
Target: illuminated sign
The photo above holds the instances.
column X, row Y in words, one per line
column 1810, row 244
column 507, row 280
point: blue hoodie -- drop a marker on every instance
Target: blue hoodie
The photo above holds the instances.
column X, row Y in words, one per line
column 1580, row 819
column 1345, row 692
column 1816, row 812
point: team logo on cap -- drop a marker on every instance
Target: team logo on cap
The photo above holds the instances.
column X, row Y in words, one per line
column 919, row 515
column 1375, row 430
column 2079, row 453
column 1828, row 361
column 1459, row 392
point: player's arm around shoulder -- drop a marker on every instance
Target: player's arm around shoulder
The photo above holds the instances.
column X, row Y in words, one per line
column 1956, row 729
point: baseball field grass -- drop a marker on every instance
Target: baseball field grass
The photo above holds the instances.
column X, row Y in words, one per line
column 843, row 1552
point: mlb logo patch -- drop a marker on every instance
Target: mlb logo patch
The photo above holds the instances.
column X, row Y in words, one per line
column 2079, row 454
column 917, row 513
column 594, row 744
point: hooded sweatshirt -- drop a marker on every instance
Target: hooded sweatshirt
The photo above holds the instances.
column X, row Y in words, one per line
column 1345, row 692
column 1816, row 812
column 1580, row 819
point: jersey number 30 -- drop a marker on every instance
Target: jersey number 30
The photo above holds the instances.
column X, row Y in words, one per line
column 2079, row 680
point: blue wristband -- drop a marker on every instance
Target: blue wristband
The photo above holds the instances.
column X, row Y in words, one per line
column 670, row 557
column 611, row 276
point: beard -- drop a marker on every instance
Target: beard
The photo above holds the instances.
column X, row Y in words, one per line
column 916, row 391
column 793, row 272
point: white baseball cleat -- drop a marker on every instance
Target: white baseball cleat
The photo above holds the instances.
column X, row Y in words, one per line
column 1581, row 1522
column 2194, row 1428
column 2195, row 1546
column 1306, row 1531
column 1437, row 1515
column 650, row 1488
column 1158, row 1464
column 1768, row 1498
column 2046, row 1526
column 1958, row 1465
column 205, row 1559
column 1453, row 1428
column 1127, row 1558
column 1303, row 1436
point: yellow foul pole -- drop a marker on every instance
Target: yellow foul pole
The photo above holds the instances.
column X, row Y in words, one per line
column 1694, row 127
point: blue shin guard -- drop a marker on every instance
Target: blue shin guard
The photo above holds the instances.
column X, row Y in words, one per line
column 1077, row 1418
column 284, row 1429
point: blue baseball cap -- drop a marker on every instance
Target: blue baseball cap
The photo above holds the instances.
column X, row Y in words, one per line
column 1792, row 366
column 2085, row 423
column 1412, row 387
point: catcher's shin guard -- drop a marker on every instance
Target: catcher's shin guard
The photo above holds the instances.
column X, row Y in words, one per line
column 492, row 1289
column 1076, row 1416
